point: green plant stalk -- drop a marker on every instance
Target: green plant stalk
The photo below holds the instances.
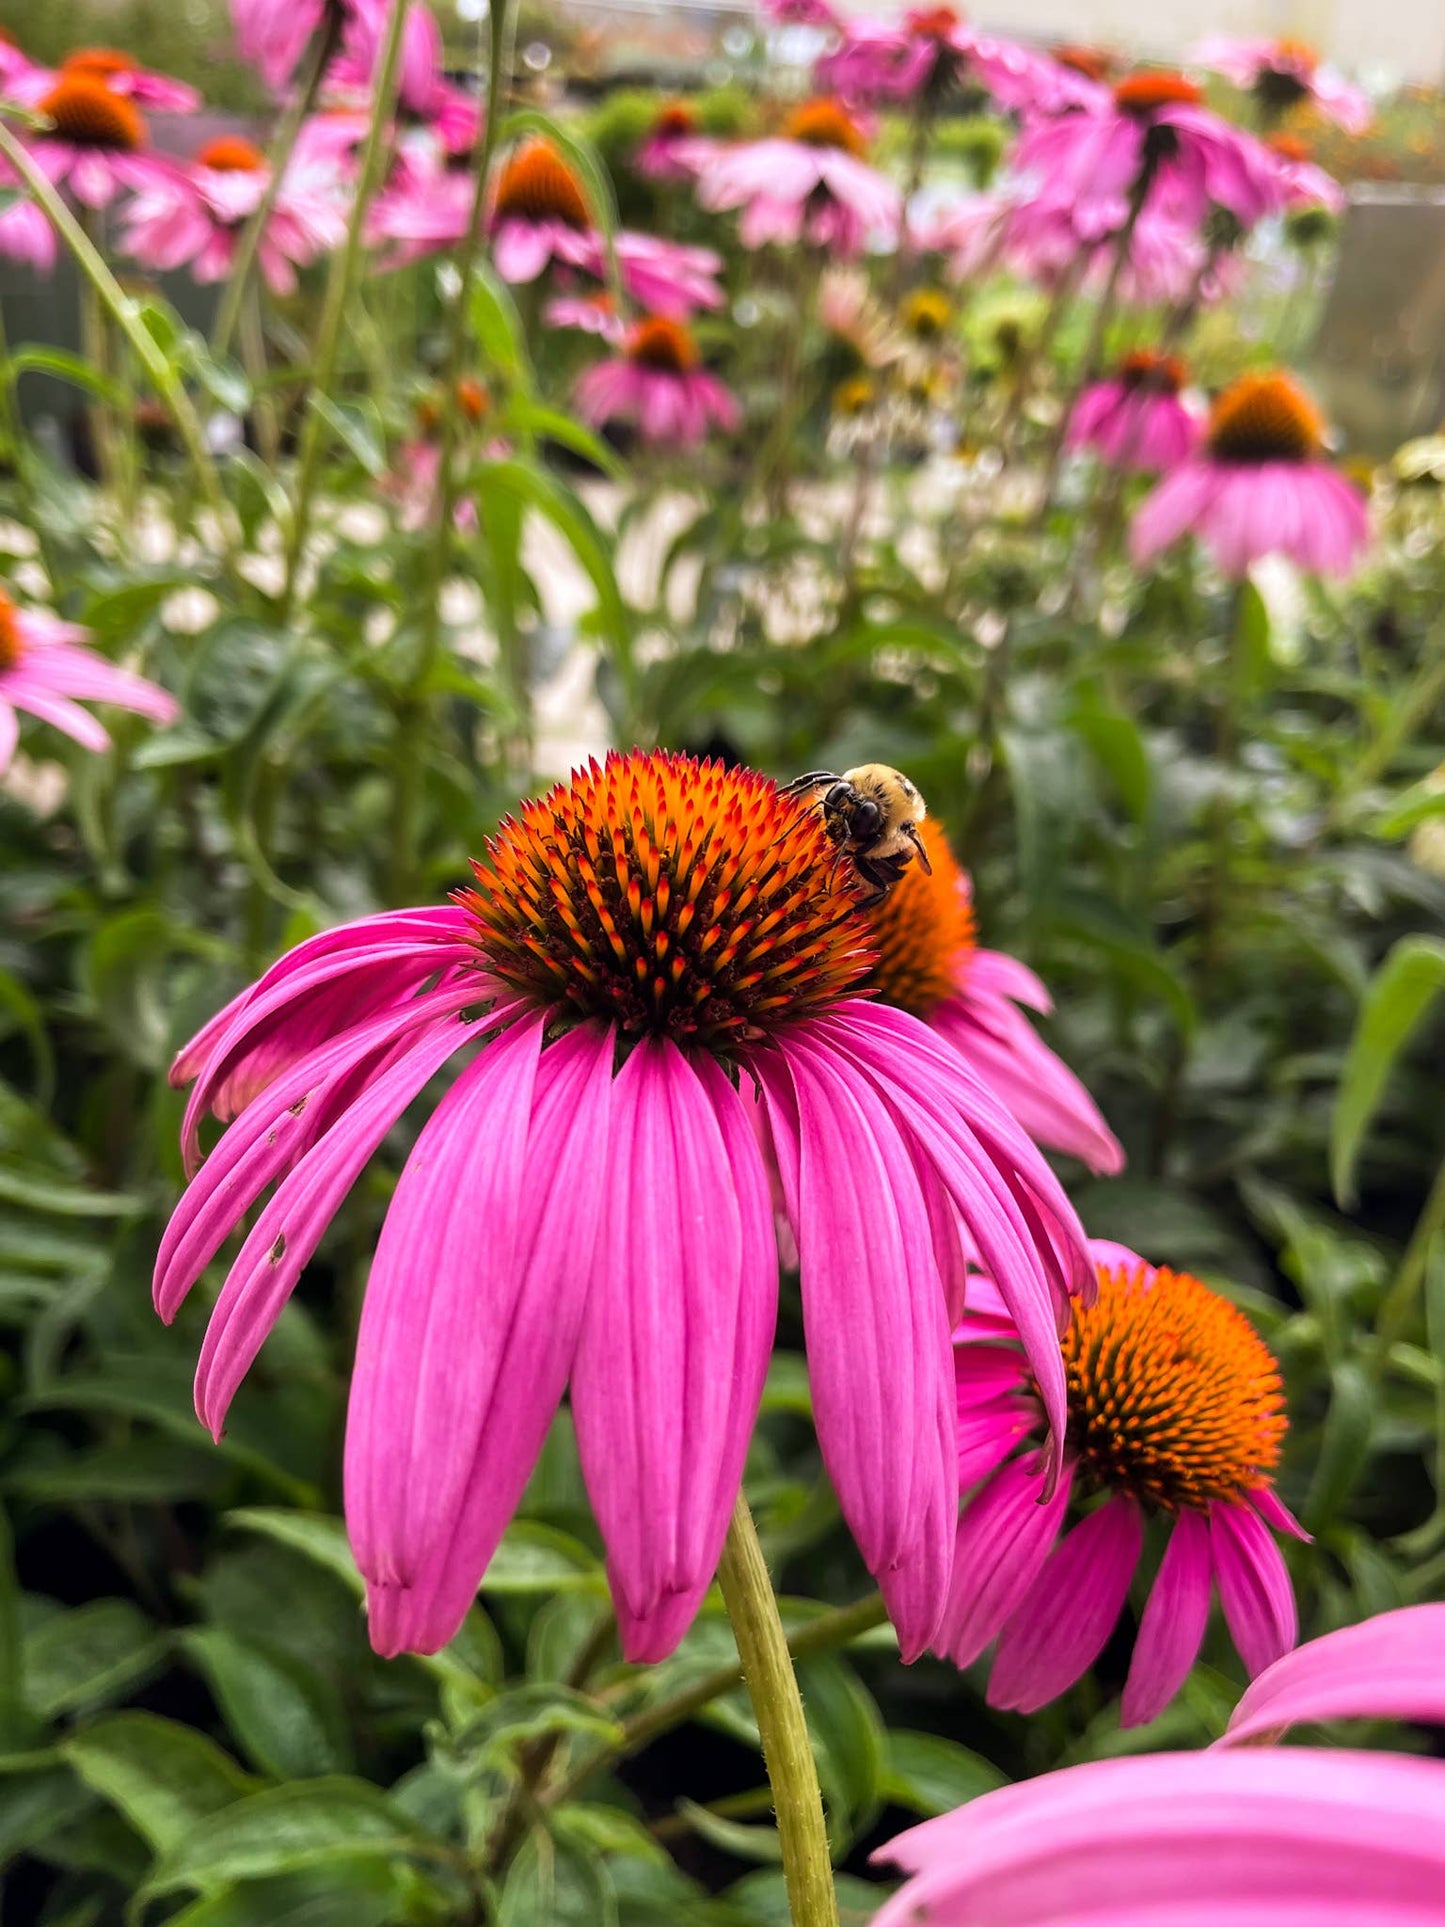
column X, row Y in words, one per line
column 1221, row 815
column 787, row 1749
column 278, row 160
column 1094, row 350
column 1399, row 1300
column 1415, row 708
column 411, row 713
column 96, row 350
column 148, row 353
column 339, row 283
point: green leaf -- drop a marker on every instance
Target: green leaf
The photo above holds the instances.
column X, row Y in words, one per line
column 849, row 1741
column 534, row 488
column 137, row 1471
column 763, row 1898
column 787, row 1388
column 736, row 1837
column 497, row 328
column 16, row 1727
column 164, row 1777
column 71, row 368
column 340, row 1893
column 559, row 1883
column 530, row 418
column 286, row 1717
column 83, row 1658
column 1344, row 1444
column 284, row 1829
column 319, row 1537
column 537, row 1558
column 35, row 1806
column 929, row 1774
column 1399, row 994
column 357, row 424
column 38, row 1190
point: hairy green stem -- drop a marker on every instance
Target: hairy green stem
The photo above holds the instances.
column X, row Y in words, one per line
column 787, row 1749
column 278, row 160
column 148, row 351
column 339, row 284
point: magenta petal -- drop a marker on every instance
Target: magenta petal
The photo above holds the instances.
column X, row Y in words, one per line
column 1071, row 1609
column 1391, row 1667
column 1254, row 1586
column 282, row 1240
column 427, row 1348
column 531, row 1350
column 1004, row 1535
column 1172, row 1629
column 675, row 1338
column 1293, row 1838
column 879, row 1359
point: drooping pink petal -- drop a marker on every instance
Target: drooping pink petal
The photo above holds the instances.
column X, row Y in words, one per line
column 1254, row 1586
column 1172, row 1628
column 1070, row 1610
column 28, row 693
column 426, row 1350
column 879, row 1360
column 285, row 1236
column 1004, row 1535
column 1299, row 1838
column 1391, row 1667
column 529, row 1351
column 675, row 1337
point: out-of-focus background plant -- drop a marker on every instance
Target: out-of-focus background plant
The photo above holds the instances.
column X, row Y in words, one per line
column 428, row 409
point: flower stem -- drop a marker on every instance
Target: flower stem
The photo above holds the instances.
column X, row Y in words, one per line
column 148, row 352
column 340, row 281
column 278, row 160
column 787, row 1750
column 1399, row 1300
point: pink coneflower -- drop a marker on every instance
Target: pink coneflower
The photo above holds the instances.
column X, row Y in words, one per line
column 1175, row 1412
column 25, row 232
column 195, row 216
column 933, row 51
column 1288, row 1837
column 652, row 951
column 273, row 34
column 929, row 963
column 99, row 142
column 116, row 71
column 1153, row 137
column 592, row 314
column 14, row 62
column 539, row 214
column 44, row 670
column 660, row 386
column 1391, row 1667
column 1282, row 73
column 673, row 149
column 810, row 183
column 1138, row 419
column 1258, row 487
column 805, row 13
column 424, row 94
column 1305, row 182
column 669, row 278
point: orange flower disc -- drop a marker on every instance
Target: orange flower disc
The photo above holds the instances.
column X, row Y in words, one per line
column 664, row 345
column 673, row 898
column 230, row 154
column 924, row 930
column 1265, row 418
column 12, row 645
column 103, row 63
column 536, row 184
column 1160, row 374
column 1173, row 1395
column 825, row 122
column 1145, row 94
column 87, row 114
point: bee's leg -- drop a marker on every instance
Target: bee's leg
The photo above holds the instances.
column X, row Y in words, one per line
column 814, row 779
column 881, row 872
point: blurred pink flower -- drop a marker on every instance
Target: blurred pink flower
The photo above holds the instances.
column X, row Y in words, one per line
column 1175, row 1409
column 929, row 964
column 934, row 50
column 99, row 144
column 1138, row 419
column 1258, row 487
column 576, row 1212
column 424, row 93
column 25, row 232
column 663, row 277
column 1305, row 183
column 594, row 314
column 45, row 671
column 1288, row 1837
column 194, row 217
column 118, row 72
column 673, row 150
column 1281, row 73
column 539, row 213
column 660, row 386
column 273, row 34
column 811, row 183
column 1151, row 134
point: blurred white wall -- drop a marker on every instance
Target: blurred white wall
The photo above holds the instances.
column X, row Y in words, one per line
column 1378, row 40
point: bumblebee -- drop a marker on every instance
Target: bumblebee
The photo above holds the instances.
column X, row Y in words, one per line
column 872, row 815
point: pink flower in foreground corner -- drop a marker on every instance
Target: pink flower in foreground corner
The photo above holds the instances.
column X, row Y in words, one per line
column 651, row 949
column 1175, row 1412
column 1137, row 419
column 811, row 182
column 929, row 964
column 1282, row 73
column 659, row 384
column 44, row 670
column 1259, row 486
column 1284, row 1837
